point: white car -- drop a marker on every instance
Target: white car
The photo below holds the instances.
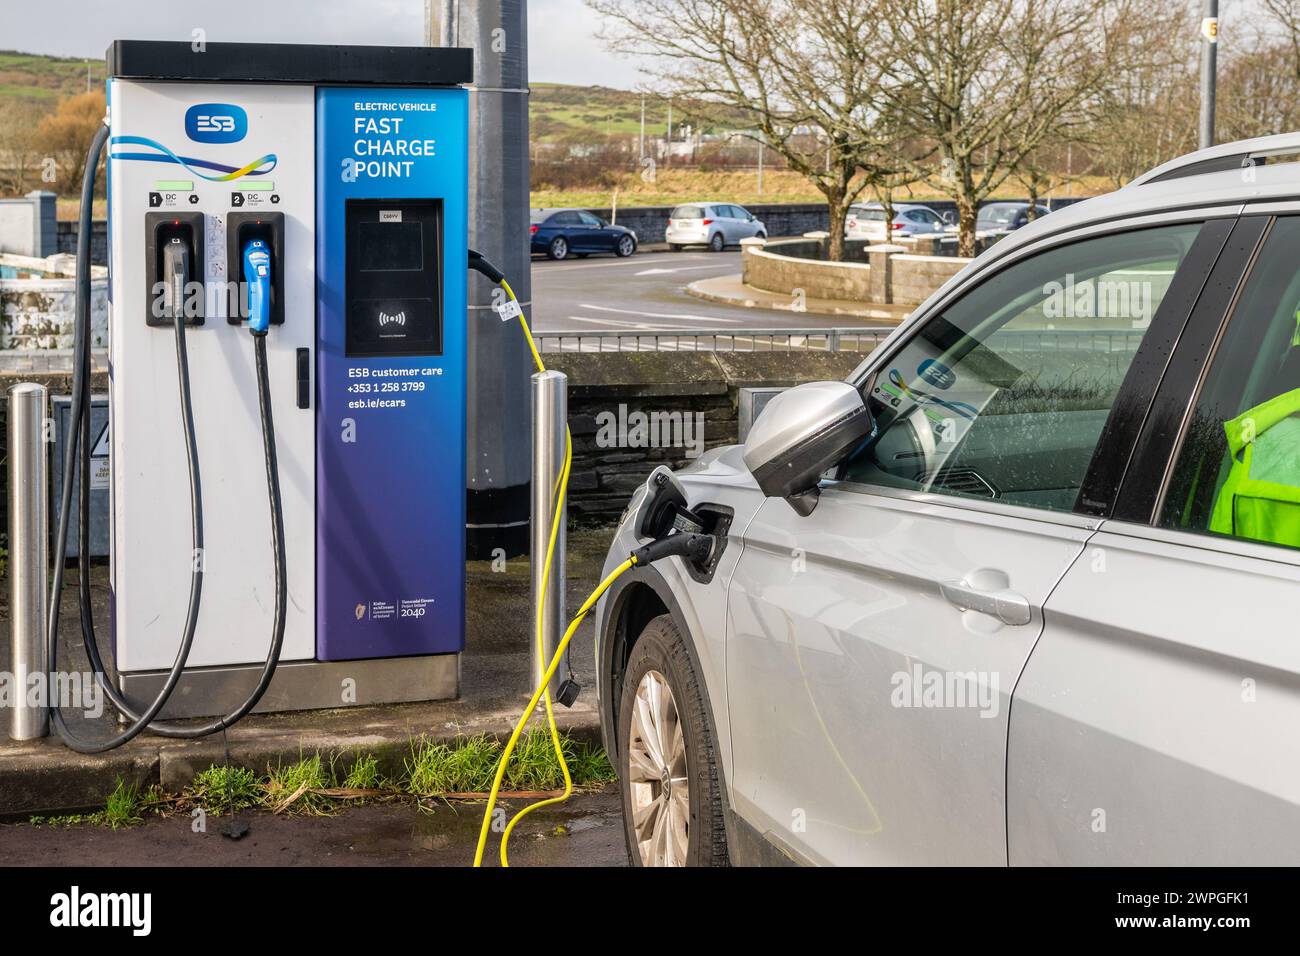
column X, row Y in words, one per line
column 867, row 221
column 1022, row 590
column 713, row 224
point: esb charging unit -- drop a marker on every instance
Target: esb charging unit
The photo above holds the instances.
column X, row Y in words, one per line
column 350, row 165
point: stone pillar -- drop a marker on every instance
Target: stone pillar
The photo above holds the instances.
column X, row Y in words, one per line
column 748, row 245
column 882, row 278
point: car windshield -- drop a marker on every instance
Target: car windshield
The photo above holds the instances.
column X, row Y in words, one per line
column 688, row 212
column 871, row 215
column 999, row 214
column 538, row 215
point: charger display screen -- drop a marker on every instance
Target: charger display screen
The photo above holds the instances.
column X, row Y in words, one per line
column 394, row 277
column 391, row 246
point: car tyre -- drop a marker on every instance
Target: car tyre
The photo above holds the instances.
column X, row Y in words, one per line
column 668, row 772
column 558, row 249
column 626, row 246
column 717, row 243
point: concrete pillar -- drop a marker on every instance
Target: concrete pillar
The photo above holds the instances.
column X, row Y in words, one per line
column 45, row 223
column 498, row 439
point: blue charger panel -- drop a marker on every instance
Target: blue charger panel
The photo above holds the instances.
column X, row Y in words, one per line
column 391, row 197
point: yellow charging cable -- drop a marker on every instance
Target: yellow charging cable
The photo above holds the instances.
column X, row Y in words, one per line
column 542, row 692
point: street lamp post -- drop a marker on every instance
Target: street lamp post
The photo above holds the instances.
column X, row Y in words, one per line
column 1209, row 57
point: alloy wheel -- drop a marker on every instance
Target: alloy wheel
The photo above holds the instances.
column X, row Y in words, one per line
column 657, row 775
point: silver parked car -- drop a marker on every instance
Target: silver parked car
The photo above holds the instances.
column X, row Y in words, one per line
column 713, row 224
column 867, row 221
column 1023, row 590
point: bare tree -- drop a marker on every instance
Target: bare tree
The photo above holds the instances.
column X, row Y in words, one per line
column 806, row 73
column 1146, row 112
column 988, row 81
column 18, row 152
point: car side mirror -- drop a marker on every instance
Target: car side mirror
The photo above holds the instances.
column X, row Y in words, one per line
column 950, row 218
column 800, row 434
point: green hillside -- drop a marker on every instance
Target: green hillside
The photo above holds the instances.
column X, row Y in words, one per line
column 558, row 113
column 45, row 79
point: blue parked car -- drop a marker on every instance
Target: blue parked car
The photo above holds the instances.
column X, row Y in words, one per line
column 560, row 233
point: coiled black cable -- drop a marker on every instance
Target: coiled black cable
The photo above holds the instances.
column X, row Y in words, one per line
column 79, row 438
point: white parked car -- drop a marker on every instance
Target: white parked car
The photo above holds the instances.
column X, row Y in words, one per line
column 713, row 224
column 867, row 221
column 1032, row 569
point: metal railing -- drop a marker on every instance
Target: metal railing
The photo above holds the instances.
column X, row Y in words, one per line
column 712, row 340
column 1110, row 341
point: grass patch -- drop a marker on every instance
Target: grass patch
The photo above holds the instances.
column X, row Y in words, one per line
column 364, row 773
column 311, row 785
column 296, row 781
column 123, row 807
column 225, row 789
column 468, row 764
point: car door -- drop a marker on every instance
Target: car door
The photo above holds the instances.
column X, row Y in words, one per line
column 746, row 226
column 1158, row 719
column 873, row 645
column 598, row 238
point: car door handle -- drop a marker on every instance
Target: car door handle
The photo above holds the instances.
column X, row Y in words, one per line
column 1009, row 607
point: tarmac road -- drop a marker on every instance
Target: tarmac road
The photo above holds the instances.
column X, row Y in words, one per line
column 648, row 291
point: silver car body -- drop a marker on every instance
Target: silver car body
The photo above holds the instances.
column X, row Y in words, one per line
column 1136, row 699
column 708, row 219
column 910, row 219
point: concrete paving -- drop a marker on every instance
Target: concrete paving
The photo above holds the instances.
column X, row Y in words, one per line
column 44, row 776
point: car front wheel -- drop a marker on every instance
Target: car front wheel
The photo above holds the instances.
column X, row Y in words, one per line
column 626, row 246
column 559, row 248
column 672, row 794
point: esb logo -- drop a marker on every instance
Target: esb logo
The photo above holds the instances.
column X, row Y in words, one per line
column 216, row 123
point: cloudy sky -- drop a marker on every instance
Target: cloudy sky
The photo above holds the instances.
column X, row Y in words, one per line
column 561, row 33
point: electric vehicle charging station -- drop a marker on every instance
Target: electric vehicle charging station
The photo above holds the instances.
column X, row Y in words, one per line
column 324, row 188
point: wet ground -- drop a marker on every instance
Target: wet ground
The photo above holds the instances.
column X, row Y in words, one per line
column 587, row 831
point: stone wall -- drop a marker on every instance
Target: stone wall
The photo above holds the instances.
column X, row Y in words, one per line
column 37, row 309
column 772, row 272
column 914, row 278
column 98, row 240
column 609, row 389
column 905, row 279
column 783, row 219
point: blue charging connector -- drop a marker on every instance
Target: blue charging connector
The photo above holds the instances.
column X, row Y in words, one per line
column 257, row 275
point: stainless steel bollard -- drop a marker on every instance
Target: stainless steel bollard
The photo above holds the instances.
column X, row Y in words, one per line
column 550, row 414
column 29, row 560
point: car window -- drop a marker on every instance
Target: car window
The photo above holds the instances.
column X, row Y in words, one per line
column 588, row 219
column 1004, row 394
column 872, row 215
column 1238, row 470
column 566, row 219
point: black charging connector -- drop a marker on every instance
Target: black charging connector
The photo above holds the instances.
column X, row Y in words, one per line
column 485, row 268
column 694, row 547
